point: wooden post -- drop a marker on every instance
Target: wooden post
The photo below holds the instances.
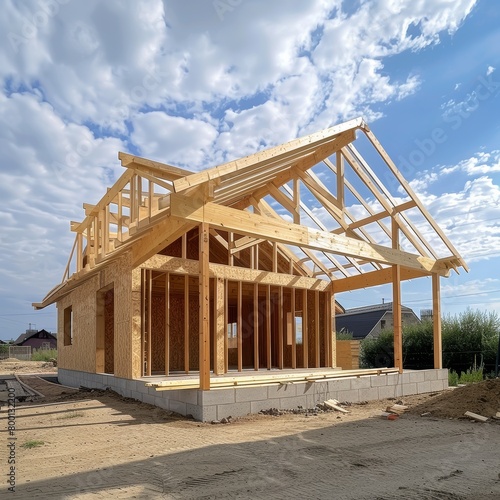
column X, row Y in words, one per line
column 167, row 324
column 294, row 345
column 240, row 326
column 226, row 319
column 255, row 326
column 120, row 215
column 219, row 327
column 317, row 351
column 268, row 327
column 305, row 331
column 436, row 319
column 280, row 329
column 149, row 279
column 396, row 302
column 143, row 321
column 186, row 323
column 333, row 331
column 204, row 284
column 396, row 315
column 328, row 329
column 79, row 252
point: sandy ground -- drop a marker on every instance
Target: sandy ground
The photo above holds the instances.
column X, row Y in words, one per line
column 10, row 365
column 99, row 445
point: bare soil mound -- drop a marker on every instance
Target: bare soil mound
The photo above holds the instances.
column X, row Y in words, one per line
column 482, row 398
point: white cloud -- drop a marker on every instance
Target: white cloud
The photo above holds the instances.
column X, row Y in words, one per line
column 179, row 82
column 490, row 70
column 49, row 169
column 174, row 139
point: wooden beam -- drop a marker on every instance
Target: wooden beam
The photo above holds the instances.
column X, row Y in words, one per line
column 340, row 179
column 204, row 286
column 152, row 167
column 281, row 231
column 406, row 186
column 296, row 201
column 188, row 266
column 374, row 278
column 244, row 242
column 269, row 155
column 378, row 216
column 436, row 319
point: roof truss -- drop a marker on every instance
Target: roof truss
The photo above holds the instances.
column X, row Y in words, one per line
column 301, row 200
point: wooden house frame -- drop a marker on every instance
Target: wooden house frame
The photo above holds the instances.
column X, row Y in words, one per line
column 236, row 267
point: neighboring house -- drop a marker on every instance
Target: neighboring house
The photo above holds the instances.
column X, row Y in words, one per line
column 37, row 339
column 185, row 280
column 369, row 321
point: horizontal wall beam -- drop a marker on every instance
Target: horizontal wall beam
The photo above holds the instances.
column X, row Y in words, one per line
column 186, row 266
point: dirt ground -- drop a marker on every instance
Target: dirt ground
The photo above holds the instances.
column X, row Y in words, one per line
column 100, row 445
column 11, row 365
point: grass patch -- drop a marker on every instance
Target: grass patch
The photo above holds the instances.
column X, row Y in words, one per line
column 71, row 414
column 33, row 444
column 44, row 355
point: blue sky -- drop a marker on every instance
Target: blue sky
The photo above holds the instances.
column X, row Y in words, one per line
column 198, row 83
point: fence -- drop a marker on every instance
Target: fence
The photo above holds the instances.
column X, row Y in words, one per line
column 22, row 353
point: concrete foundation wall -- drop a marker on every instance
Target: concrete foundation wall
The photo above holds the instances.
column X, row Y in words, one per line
column 219, row 403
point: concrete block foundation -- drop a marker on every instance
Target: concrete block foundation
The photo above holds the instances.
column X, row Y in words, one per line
column 206, row 406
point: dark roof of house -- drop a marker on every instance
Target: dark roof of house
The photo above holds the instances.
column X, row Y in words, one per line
column 360, row 321
column 34, row 333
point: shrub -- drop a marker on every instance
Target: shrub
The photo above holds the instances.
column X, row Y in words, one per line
column 344, row 336
column 44, row 355
column 378, row 352
column 453, row 378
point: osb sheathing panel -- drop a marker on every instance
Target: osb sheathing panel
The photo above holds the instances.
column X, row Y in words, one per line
column 132, row 347
column 312, row 328
column 158, row 334
column 176, row 332
column 109, row 325
column 81, row 355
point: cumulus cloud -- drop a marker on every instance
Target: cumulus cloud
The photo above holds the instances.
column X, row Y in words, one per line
column 183, row 83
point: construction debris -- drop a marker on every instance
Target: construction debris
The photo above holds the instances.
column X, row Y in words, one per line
column 475, row 416
column 398, row 409
column 334, row 405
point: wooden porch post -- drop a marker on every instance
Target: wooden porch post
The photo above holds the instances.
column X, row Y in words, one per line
column 332, row 334
column 204, row 284
column 436, row 319
column 396, row 302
